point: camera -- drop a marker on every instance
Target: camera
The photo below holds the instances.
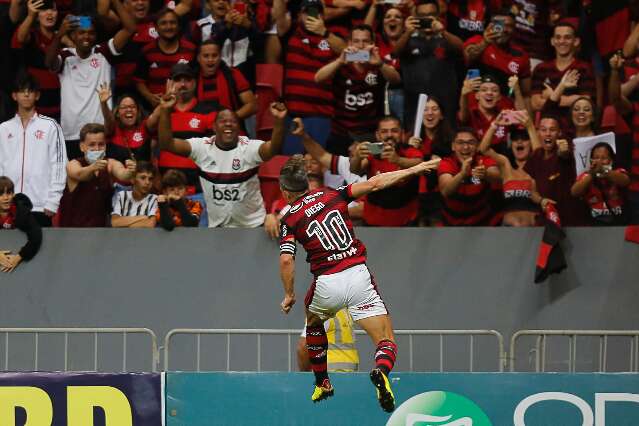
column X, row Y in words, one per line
column 425, row 23
column 358, row 56
column 376, row 148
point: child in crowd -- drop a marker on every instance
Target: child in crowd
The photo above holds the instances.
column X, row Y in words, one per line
column 174, row 209
column 15, row 213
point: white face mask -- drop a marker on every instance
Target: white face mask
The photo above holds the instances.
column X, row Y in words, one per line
column 93, row 156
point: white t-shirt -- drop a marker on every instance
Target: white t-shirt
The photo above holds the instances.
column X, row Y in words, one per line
column 125, row 205
column 79, row 82
column 229, row 182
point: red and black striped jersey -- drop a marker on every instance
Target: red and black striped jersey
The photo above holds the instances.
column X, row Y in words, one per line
column 532, row 30
column 359, row 99
column 548, row 73
column 470, row 204
column 307, row 53
column 34, row 52
column 125, row 64
column 217, row 90
column 320, row 222
column 154, row 66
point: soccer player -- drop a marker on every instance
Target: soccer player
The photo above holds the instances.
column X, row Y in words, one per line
column 319, row 220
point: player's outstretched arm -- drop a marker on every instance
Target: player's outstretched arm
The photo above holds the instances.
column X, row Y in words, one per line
column 165, row 133
column 385, row 180
column 287, row 274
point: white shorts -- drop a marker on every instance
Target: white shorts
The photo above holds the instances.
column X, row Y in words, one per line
column 352, row 288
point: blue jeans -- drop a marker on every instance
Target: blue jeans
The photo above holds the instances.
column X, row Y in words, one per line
column 396, row 103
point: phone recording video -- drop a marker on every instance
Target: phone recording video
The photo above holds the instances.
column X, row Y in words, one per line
column 358, row 56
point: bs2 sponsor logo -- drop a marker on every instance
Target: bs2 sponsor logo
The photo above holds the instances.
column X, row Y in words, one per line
column 438, row 408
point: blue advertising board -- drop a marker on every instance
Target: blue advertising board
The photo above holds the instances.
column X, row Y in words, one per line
column 423, row 399
column 81, row 399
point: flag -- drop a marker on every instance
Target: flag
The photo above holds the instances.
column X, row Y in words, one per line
column 632, row 233
column 612, row 24
column 550, row 259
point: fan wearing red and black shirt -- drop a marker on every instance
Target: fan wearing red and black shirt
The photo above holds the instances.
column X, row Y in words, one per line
column 479, row 112
column 33, row 41
column 222, row 85
column 157, row 58
column 495, row 53
column 548, row 74
column 319, row 220
column 397, row 207
column 15, row 212
column 464, row 182
column 623, row 105
column 146, row 33
column 603, row 187
column 190, row 118
column 358, row 89
column 310, row 47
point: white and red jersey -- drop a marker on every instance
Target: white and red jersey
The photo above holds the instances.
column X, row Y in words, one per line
column 229, row 182
column 320, row 222
column 79, row 82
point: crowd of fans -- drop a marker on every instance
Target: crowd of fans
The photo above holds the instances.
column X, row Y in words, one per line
column 144, row 113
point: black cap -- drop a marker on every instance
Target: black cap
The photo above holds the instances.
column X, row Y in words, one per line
column 311, row 3
column 519, row 133
column 488, row 78
column 182, row 69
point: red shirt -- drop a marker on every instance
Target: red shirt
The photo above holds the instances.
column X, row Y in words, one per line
column 138, row 140
column 8, row 221
column 154, row 66
column 470, row 204
column 359, row 100
column 217, row 90
column 481, row 123
column 125, row 64
column 604, row 198
column 306, row 54
column 396, row 206
column 33, row 54
column 320, row 222
column 502, row 62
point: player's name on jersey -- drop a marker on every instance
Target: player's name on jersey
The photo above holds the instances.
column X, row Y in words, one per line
column 314, row 209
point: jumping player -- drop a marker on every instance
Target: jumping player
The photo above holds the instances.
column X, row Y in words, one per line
column 319, row 220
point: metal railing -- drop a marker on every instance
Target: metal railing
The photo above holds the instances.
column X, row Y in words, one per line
column 155, row 355
column 472, row 334
column 541, row 344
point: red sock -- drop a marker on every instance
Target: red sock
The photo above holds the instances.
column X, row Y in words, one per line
column 317, row 346
column 385, row 356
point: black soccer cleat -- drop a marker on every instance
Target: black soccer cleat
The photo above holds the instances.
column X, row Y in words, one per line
column 384, row 393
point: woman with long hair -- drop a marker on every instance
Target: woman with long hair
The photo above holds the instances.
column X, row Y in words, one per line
column 583, row 118
column 434, row 142
column 521, row 199
column 129, row 132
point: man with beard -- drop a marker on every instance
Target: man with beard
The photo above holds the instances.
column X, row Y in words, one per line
column 428, row 54
column 224, row 86
column 227, row 163
column 190, row 118
column 553, row 168
column 154, row 65
column 494, row 52
column 389, row 207
column 358, row 89
column 32, row 37
column 82, row 70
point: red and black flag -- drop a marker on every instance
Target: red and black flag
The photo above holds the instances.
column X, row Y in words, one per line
column 550, row 259
column 612, row 25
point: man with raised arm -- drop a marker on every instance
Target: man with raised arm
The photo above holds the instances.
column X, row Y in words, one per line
column 227, row 163
column 319, row 220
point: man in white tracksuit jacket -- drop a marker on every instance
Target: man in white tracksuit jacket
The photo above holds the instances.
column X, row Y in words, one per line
column 32, row 152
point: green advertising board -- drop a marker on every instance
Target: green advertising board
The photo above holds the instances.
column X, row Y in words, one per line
column 423, row 399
